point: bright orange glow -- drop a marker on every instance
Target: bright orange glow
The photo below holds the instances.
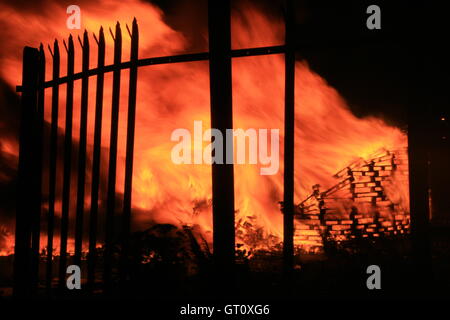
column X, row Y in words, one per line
column 328, row 136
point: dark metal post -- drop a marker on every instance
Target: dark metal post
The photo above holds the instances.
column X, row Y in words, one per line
column 129, row 149
column 111, row 195
column 289, row 118
column 82, row 152
column 67, row 164
column 25, row 189
column 221, row 119
column 52, row 167
column 38, row 145
column 96, row 160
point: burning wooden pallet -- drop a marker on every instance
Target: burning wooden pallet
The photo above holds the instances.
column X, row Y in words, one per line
column 362, row 204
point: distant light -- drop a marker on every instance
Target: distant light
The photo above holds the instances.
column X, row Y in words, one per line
column 444, row 138
column 443, row 119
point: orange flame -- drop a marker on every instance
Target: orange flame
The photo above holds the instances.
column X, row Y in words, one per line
column 327, row 137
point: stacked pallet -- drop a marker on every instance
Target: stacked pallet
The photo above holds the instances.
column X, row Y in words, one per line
column 357, row 206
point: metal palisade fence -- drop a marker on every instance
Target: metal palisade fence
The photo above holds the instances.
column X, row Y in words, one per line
column 30, row 204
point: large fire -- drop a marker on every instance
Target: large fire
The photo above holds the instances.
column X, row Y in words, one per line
column 327, row 137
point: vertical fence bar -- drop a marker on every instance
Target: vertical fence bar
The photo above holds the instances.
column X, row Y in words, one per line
column 82, row 152
column 67, row 164
column 129, row 150
column 25, row 191
column 289, row 118
column 38, row 145
column 96, row 161
column 52, row 167
column 111, row 193
column 222, row 119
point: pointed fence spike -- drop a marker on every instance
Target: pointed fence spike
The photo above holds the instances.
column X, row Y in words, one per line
column 101, row 39
column 56, row 48
column 118, row 31
column 50, row 49
column 86, row 39
column 95, row 37
column 128, row 29
column 71, row 42
column 112, row 35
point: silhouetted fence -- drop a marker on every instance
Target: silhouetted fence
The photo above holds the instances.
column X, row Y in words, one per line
column 30, row 200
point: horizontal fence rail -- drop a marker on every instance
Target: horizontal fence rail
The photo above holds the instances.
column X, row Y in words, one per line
column 192, row 57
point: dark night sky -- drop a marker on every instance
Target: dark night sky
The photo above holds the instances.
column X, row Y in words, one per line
column 371, row 68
